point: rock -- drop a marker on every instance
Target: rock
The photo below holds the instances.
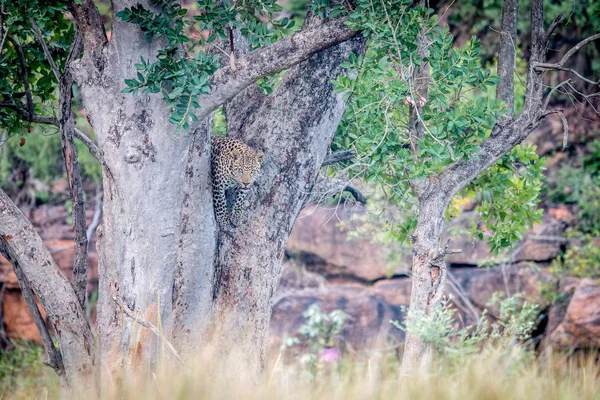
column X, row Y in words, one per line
column 371, row 309
column 17, row 321
column 580, row 327
column 319, row 243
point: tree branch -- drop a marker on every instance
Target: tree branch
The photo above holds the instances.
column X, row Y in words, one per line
column 67, row 130
column 283, row 54
column 506, row 57
column 28, row 95
column 338, row 157
column 554, row 89
column 54, row 358
column 54, row 291
column 503, row 138
column 40, row 38
column 89, row 24
column 557, row 21
column 41, row 119
column 325, row 188
column 153, row 328
column 577, row 47
column 564, row 123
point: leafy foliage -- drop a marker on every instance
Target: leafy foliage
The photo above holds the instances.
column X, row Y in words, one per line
column 509, row 196
column 581, row 261
column 457, row 113
column 22, row 371
column 320, row 334
column 580, row 186
column 182, row 71
column 58, row 34
column 515, row 320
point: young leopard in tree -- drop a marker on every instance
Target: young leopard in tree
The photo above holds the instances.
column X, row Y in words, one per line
column 234, row 165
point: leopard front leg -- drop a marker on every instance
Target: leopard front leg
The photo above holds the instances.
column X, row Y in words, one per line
column 237, row 208
column 220, row 203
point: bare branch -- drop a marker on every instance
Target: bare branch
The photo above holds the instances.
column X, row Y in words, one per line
column 283, row 54
column 97, row 215
column 54, row 291
column 153, row 328
column 67, row 132
column 325, row 188
column 557, row 21
column 94, row 150
column 54, row 358
column 577, row 47
column 541, row 67
column 338, row 157
column 41, row 119
column 564, row 123
column 554, row 89
column 3, row 39
column 40, row 38
column 25, row 74
column 506, row 56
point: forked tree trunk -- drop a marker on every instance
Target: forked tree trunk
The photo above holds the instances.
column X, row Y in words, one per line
column 161, row 257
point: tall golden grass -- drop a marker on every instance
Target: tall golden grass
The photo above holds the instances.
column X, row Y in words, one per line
column 493, row 373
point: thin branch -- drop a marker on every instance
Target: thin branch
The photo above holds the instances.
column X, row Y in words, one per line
column 325, row 188
column 67, row 133
column 557, row 21
column 338, row 157
column 28, row 95
column 554, row 89
column 40, row 38
column 94, row 150
column 577, row 47
column 54, row 358
column 464, row 297
column 153, row 328
column 97, row 215
column 42, row 119
column 542, row 67
column 281, row 55
column 3, row 40
column 564, row 123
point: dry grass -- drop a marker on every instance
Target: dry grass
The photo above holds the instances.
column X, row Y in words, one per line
column 493, row 374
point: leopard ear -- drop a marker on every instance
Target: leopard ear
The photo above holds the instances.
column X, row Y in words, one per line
column 260, row 156
column 235, row 154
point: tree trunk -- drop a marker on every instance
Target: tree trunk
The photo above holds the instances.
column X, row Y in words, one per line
column 294, row 127
column 428, row 271
column 160, row 253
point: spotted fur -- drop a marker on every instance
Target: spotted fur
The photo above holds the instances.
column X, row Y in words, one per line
column 235, row 165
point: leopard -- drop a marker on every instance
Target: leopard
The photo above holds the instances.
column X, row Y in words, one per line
column 234, row 166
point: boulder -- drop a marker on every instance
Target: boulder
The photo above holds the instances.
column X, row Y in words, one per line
column 318, row 242
column 580, row 326
column 370, row 309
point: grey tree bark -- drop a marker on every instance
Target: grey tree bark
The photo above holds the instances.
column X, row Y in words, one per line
column 160, row 252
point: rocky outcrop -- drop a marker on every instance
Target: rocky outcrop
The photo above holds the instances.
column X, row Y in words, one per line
column 325, row 267
column 318, row 242
column 576, row 323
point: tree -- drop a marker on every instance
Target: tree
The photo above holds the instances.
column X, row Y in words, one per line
column 425, row 130
column 150, row 92
column 149, row 96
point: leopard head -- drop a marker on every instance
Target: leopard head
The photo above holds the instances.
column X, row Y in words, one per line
column 245, row 165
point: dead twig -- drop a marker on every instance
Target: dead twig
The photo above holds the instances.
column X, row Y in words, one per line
column 153, row 328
